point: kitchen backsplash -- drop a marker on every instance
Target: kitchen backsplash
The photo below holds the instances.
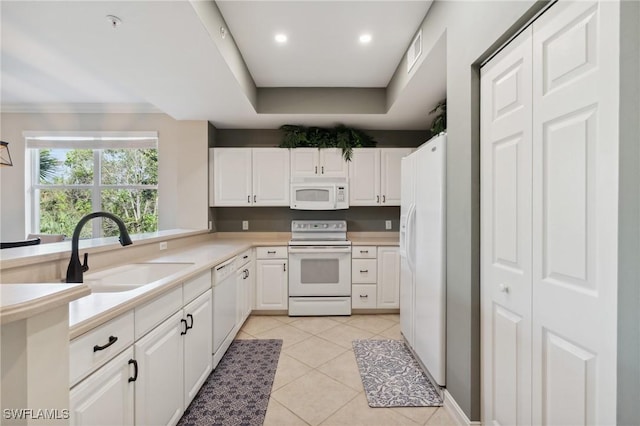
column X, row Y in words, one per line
column 278, row 219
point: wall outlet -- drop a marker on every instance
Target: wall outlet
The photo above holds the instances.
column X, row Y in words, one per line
column 387, row 224
column 245, row 225
column 163, row 245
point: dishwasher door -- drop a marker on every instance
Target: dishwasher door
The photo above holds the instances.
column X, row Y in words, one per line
column 224, row 309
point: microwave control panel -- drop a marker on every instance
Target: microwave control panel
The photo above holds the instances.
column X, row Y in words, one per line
column 340, row 195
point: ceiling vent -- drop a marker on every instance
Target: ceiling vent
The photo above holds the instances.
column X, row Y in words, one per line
column 415, row 49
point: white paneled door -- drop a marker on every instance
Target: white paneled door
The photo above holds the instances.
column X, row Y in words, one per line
column 575, row 214
column 506, row 234
column 550, row 220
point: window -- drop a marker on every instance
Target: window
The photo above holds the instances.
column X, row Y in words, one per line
column 73, row 174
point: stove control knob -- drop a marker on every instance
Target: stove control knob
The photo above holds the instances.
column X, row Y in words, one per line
column 325, row 225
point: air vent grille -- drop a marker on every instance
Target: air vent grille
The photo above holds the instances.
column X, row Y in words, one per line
column 415, row 49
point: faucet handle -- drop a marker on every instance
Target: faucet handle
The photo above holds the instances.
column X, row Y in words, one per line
column 85, row 264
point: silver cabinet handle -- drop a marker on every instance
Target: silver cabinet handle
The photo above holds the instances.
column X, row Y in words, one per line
column 384, row 199
column 316, row 172
column 377, row 198
column 271, row 252
column 254, row 198
column 322, row 169
column 248, row 198
column 284, row 267
column 364, row 271
column 364, row 251
column 364, row 296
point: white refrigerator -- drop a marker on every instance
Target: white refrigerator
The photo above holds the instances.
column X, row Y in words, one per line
column 422, row 254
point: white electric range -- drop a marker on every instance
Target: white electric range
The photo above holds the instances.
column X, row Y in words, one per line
column 319, row 268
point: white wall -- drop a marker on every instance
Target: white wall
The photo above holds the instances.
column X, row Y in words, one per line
column 182, row 145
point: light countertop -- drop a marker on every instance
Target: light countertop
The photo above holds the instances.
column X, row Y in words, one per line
column 92, row 310
column 20, row 301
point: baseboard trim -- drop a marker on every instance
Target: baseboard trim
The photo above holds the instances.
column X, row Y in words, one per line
column 456, row 413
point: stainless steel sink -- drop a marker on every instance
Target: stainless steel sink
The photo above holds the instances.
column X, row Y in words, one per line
column 131, row 276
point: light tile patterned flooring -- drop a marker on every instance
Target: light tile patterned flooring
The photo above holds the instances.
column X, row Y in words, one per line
column 317, row 381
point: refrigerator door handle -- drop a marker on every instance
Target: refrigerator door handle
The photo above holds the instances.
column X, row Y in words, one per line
column 410, row 237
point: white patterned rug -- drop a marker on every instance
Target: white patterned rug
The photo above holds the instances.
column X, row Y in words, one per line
column 392, row 377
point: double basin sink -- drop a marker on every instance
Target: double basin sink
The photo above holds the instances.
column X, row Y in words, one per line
column 131, row 276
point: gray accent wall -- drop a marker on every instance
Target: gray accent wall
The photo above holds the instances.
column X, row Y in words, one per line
column 273, row 137
column 628, row 409
column 278, row 219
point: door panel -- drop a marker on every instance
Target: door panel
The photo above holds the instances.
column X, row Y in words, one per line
column 332, row 164
column 507, row 330
column 390, row 160
column 506, row 234
column 364, row 177
column 575, row 167
column 232, row 176
column 271, row 177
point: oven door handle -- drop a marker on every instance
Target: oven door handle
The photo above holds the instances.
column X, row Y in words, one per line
column 316, row 249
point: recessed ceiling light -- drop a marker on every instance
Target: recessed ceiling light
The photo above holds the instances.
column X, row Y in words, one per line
column 365, row 38
column 281, row 38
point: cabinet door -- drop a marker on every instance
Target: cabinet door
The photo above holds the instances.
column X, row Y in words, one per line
column 304, row 162
column 364, row 177
column 271, row 185
column 159, row 388
column 272, row 284
column 390, row 159
column 197, row 345
column 232, row 176
column 250, row 288
column 332, row 164
column 106, row 396
column 388, row 277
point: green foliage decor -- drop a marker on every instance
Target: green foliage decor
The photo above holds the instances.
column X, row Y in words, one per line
column 343, row 137
column 440, row 122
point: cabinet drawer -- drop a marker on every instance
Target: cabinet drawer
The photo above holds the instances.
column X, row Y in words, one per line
column 363, row 252
column 94, row 349
column 244, row 258
column 272, row 252
column 364, row 271
column 153, row 313
column 196, row 286
column 363, row 296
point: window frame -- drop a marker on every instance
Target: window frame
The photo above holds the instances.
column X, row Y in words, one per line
column 98, row 142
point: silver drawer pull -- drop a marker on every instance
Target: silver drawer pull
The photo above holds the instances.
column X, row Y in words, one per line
column 364, row 251
column 271, row 252
column 364, row 271
column 364, row 296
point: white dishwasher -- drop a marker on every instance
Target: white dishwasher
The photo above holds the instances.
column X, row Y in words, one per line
column 224, row 307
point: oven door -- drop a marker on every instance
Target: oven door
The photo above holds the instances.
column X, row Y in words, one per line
column 320, row 271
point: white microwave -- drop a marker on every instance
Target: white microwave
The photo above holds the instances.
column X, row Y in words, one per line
column 319, row 194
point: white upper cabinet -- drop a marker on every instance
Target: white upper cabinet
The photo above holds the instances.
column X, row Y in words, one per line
column 326, row 162
column 270, row 177
column 390, row 159
column 364, row 177
column 232, row 176
column 374, row 176
column 250, row 177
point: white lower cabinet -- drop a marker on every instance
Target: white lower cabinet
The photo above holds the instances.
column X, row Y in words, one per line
column 388, row 277
column 159, row 387
column 156, row 377
column 375, row 277
column 106, row 397
column 198, row 345
column 272, row 278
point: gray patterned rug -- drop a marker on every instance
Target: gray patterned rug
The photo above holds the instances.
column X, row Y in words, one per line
column 237, row 392
column 391, row 376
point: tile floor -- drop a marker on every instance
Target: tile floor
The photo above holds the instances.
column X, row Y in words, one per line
column 317, row 381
